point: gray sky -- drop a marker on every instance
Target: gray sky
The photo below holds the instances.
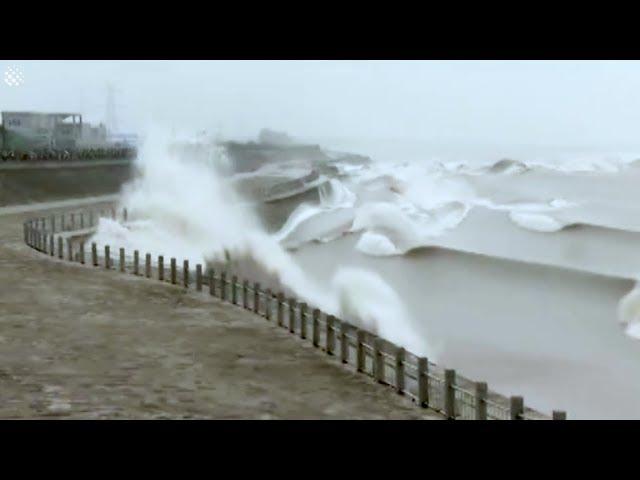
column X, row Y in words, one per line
column 498, row 102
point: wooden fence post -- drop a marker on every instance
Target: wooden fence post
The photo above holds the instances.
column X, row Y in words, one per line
column 481, row 392
column 245, row 294
column 147, row 265
column 344, row 342
column 234, row 290
column 292, row 315
column 161, row 268
column 423, row 382
column 173, row 271
column 73, row 221
column 94, row 254
column 82, row 253
column 303, row 321
column 53, row 223
column 400, row 357
column 60, row 246
column 69, row 250
column 360, row 358
column 199, row 277
column 212, row 282
column 81, row 221
column 516, row 408
column 223, row 285
column 185, row 273
column 136, row 262
column 331, row 335
column 256, row 297
column 449, row 393
column 280, row 309
column 107, row 257
column 378, row 361
column 52, row 248
column 315, row 327
column 122, row 260
column 267, row 307
column 91, row 220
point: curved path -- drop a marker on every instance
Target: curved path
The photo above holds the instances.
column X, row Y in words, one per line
column 77, row 342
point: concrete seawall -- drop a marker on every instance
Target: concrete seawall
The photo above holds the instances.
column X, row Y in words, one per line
column 50, row 181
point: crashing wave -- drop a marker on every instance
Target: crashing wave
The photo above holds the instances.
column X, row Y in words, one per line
column 328, row 220
column 205, row 224
column 334, row 194
column 392, row 229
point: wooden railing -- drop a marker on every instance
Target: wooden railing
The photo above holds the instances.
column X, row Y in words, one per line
column 429, row 385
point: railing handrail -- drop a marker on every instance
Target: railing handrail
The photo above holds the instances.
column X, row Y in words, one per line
column 427, row 383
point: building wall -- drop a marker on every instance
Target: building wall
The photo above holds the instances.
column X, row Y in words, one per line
column 25, row 130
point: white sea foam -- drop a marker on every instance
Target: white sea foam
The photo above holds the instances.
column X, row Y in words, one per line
column 376, row 244
column 629, row 312
column 538, row 222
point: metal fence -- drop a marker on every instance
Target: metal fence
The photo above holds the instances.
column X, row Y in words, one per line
column 427, row 384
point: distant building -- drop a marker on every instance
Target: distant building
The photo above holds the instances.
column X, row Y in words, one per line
column 29, row 130
column 93, row 137
column 37, row 130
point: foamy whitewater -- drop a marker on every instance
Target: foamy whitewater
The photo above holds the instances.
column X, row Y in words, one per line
column 182, row 208
column 521, row 272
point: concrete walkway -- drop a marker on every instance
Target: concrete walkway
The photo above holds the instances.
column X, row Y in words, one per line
column 79, row 342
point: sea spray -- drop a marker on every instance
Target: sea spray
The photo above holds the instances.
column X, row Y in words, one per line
column 366, row 300
column 180, row 207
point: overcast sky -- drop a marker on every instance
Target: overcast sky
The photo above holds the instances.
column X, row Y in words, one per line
column 500, row 102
